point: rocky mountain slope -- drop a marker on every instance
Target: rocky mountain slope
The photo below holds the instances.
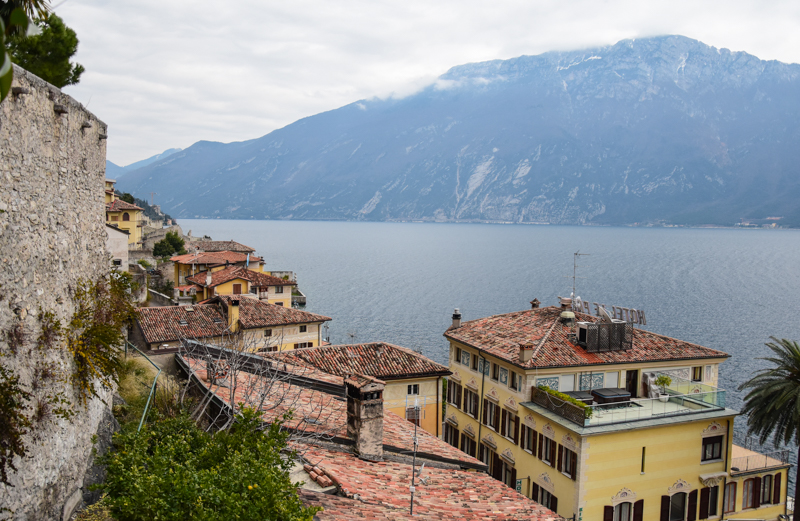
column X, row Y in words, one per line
column 663, row 129
column 114, row 171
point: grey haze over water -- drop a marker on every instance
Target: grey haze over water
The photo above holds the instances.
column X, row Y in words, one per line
column 399, row 282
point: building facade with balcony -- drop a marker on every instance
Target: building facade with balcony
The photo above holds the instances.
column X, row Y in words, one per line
column 124, row 216
column 573, row 419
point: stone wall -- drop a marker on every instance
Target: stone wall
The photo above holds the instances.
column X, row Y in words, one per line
column 52, row 234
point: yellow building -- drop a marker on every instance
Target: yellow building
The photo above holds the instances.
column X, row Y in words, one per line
column 238, row 280
column 413, row 381
column 124, row 216
column 191, row 264
column 563, row 406
column 249, row 323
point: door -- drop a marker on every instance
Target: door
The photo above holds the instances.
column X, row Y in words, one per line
column 632, row 382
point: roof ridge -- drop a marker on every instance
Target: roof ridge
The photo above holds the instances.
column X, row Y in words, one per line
column 544, row 339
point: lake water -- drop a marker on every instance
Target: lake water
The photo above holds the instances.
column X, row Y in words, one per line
column 399, row 282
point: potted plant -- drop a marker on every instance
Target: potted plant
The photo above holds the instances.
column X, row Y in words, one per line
column 663, row 381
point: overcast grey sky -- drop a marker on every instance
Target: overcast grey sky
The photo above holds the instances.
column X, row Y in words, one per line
column 168, row 73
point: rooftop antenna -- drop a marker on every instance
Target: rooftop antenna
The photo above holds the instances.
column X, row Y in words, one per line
column 414, row 472
column 575, row 267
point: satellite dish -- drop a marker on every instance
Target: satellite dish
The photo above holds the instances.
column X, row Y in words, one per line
column 604, row 316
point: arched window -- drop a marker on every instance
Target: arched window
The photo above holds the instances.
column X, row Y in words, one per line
column 622, row 512
column 748, row 496
column 126, row 217
column 677, row 507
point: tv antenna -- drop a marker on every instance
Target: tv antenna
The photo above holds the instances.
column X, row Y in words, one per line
column 575, row 267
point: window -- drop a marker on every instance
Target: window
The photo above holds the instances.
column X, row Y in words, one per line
column 547, row 500
column 491, row 414
column 495, row 372
column 611, row 380
column 279, row 303
column 237, row 289
column 569, row 463
column 713, row 500
column 566, row 383
column 712, row 448
column 268, row 349
column 509, row 475
column 548, row 450
column 278, row 289
column 474, row 362
column 697, row 373
column 304, row 329
column 766, row 490
column 413, row 414
column 267, row 332
column 117, row 262
column 454, row 394
column 748, row 498
column 730, row 498
column 468, row 445
column 677, row 507
column 253, row 290
column 413, row 389
column 622, row 512
column 458, row 355
column 126, row 217
column 471, row 403
column 115, row 217
column 643, row 451
column 515, row 382
column 302, row 345
column 509, row 425
column 528, row 439
column 485, row 454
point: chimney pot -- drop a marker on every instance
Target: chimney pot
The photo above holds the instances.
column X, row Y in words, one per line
column 526, row 352
column 535, row 303
column 365, row 415
column 456, row 319
column 566, row 302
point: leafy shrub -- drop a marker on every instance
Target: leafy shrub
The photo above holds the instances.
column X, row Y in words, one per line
column 567, row 398
column 172, row 470
column 171, row 244
column 14, row 423
column 144, row 264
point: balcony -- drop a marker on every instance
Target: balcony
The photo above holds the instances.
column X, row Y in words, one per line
column 744, row 461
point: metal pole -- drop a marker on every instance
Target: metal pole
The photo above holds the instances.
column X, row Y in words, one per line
column 414, row 463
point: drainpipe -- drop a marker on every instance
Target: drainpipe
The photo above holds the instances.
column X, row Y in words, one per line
column 480, row 403
column 438, row 402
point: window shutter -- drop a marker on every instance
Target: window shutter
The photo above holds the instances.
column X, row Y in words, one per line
column 553, row 454
column 757, row 493
column 638, row 510
column 664, row 508
column 574, row 470
column 560, row 464
column 516, row 430
column 458, row 396
column 534, row 492
column 691, row 514
column 497, row 470
column 705, row 496
column 554, row 504
column 541, row 442
column 514, row 478
column 776, row 489
column 503, row 418
column 496, row 416
column 533, row 440
column 608, row 513
column 485, row 406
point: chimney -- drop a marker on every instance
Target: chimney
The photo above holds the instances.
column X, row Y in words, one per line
column 233, row 315
column 365, row 415
column 456, row 319
column 208, row 278
column 526, row 352
column 566, row 303
column 535, row 303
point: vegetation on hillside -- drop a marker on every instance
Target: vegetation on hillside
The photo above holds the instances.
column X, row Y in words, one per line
column 171, row 244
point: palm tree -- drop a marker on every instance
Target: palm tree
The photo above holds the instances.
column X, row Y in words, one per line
column 773, row 404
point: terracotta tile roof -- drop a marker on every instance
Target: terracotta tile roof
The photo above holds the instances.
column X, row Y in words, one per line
column 259, row 280
column 118, row 205
column 501, row 336
column 378, row 359
column 163, row 324
column 221, row 246
column 217, row 257
column 256, row 313
column 440, row 493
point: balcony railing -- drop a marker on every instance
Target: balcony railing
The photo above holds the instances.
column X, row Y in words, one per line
column 755, row 461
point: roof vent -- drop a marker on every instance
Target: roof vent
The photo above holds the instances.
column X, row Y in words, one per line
column 189, row 309
column 183, row 322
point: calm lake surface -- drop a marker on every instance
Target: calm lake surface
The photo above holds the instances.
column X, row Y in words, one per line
column 399, row 282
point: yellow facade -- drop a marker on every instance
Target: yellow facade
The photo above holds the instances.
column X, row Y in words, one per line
column 633, row 460
column 131, row 220
column 401, row 396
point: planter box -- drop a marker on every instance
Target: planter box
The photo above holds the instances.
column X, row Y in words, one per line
column 563, row 408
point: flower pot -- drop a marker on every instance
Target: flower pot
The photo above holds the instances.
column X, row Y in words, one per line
column 663, row 398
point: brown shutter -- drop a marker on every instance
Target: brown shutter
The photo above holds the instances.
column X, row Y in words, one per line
column 502, row 427
column 485, row 406
column 705, row 496
column 691, row 514
column 496, row 416
column 560, row 464
column 535, row 492
column 664, row 508
column 757, row 492
column 533, row 440
column 608, row 513
column 541, row 442
column 514, row 478
column 516, row 430
column 497, row 467
column 776, row 489
column 554, row 455
column 638, row 510
column 458, row 396
column 574, row 470
column 554, row 504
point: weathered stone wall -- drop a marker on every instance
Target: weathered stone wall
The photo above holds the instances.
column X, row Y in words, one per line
column 52, row 165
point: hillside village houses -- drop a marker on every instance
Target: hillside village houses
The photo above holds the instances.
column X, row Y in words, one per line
column 563, row 406
column 123, row 215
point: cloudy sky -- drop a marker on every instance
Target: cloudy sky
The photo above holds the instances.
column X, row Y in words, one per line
column 168, row 73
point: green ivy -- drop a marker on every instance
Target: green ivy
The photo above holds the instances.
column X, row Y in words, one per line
column 14, row 422
column 172, row 470
column 567, row 398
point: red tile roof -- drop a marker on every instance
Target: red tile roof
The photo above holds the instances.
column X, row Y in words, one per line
column 257, row 279
column 118, row 205
column 256, row 313
column 378, row 359
column 217, row 257
column 501, row 336
column 220, row 246
column 440, row 493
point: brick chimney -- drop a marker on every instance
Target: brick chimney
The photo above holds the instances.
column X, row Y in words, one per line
column 526, row 352
column 365, row 415
column 456, row 319
column 535, row 303
column 566, row 303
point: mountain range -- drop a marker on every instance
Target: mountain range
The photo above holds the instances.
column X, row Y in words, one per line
column 114, row 171
column 662, row 130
